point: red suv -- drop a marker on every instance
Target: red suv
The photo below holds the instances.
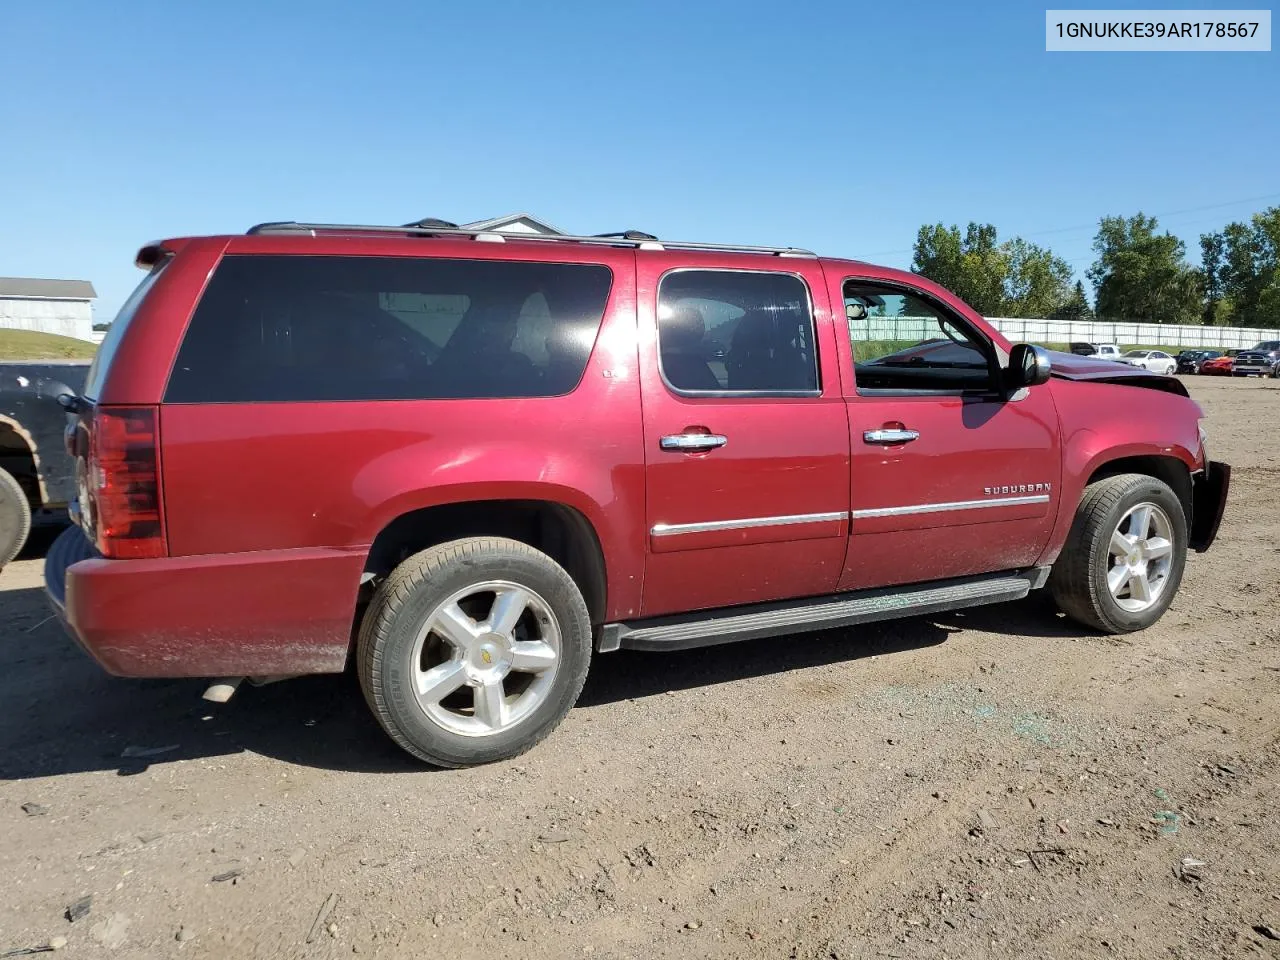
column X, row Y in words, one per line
column 470, row 461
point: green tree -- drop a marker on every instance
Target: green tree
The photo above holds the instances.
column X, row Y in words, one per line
column 1010, row 279
column 1211, row 270
column 971, row 266
column 1076, row 308
column 1242, row 271
column 1143, row 275
column 1037, row 284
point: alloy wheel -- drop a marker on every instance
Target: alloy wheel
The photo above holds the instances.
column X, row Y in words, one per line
column 485, row 658
column 1141, row 557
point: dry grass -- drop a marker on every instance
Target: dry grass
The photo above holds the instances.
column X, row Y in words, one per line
column 31, row 345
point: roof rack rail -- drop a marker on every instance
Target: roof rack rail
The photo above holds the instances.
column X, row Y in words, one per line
column 433, row 222
column 630, row 238
column 627, row 235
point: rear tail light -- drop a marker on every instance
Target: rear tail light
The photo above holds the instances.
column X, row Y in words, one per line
column 124, row 483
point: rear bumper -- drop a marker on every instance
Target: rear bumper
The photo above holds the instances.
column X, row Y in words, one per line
column 266, row 613
column 1209, row 501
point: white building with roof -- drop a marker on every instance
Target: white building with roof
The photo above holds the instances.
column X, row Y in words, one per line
column 64, row 307
column 514, row 223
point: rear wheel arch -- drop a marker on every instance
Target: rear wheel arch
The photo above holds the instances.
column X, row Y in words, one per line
column 19, row 456
column 560, row 531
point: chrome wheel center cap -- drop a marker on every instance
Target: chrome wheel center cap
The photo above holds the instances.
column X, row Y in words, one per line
column 490, row 657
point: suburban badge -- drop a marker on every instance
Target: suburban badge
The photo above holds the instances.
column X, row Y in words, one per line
column 1018, row 488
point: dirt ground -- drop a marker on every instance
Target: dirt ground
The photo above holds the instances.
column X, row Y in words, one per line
column 994, row 783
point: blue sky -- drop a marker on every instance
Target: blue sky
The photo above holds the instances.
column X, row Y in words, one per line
column 837, row 126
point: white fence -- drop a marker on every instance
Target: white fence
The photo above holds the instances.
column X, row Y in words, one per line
column 1156, row 334
column 896, row 328
column 912, row 329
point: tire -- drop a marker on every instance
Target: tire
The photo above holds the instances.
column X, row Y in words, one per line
column 405, row 638
column 15, row 517
column 1079, row 581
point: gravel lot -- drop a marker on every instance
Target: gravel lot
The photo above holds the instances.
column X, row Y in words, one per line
column 993, row 782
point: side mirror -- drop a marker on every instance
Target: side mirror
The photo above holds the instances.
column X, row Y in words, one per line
column 1029, row 366
column 70, row 402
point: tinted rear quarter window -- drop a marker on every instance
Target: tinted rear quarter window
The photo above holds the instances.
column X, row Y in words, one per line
column 301, row 328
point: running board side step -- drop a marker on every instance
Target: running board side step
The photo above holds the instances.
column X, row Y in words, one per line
column 710, row 627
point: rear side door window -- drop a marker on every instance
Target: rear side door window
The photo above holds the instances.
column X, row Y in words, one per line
column 736, row 333
column 308, row 328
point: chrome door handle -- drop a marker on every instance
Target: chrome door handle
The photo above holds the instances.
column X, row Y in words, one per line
column 891, row 436
column 692, row 441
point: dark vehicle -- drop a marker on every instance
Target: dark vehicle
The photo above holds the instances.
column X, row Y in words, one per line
column 37, row 475
column 1190, row 361
column 1260, row 361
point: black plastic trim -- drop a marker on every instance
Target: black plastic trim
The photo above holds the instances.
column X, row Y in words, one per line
column 1208, row 503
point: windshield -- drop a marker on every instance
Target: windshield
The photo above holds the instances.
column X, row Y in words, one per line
column 1136, row 353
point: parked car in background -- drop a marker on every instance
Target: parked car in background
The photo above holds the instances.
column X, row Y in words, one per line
column 1260, row 361
column 1219, row 366
column 467, row 464
column 1103, row 351
column 37, row 474
column 1189, row 361
column 1157, row 361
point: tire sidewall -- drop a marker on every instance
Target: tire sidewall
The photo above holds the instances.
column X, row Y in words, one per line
column 534, row 571
column 1149, row 491
column 15, row 517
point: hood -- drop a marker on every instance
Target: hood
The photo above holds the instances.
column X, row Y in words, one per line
column 1068, row 366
